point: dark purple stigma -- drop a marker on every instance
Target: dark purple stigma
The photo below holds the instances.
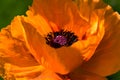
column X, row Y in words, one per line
column 60, row 40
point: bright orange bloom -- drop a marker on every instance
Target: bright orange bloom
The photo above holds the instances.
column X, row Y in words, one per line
column 79, row 37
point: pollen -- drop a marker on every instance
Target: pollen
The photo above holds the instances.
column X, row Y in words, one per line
column 61, row 38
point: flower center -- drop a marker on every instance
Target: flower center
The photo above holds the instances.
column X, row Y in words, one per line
column 61, row 38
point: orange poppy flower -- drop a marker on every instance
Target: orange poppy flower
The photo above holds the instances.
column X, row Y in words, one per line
column 58, row 37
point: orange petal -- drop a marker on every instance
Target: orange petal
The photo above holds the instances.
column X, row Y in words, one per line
column 59, row 15
column 93, row 36
column 13, row 49
column 23, row 72
column 16, row 28
column 76, row 24
column 33, row 40
column 55, row 11
column 87, row 6
column 43, row 53
column 69, row 57
column 106, row 59
column 47, row 75
column 39, row 23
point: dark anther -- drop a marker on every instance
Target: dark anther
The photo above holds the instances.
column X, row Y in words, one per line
column 61, row 38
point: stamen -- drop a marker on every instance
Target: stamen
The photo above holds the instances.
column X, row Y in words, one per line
column 61, row 38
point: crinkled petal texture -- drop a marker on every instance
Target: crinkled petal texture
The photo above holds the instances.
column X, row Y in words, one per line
column 15, row 57
column 57, row 15
column 24, row 50
column 106, row 59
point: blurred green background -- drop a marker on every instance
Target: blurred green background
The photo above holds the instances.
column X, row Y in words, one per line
column 11, row 8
